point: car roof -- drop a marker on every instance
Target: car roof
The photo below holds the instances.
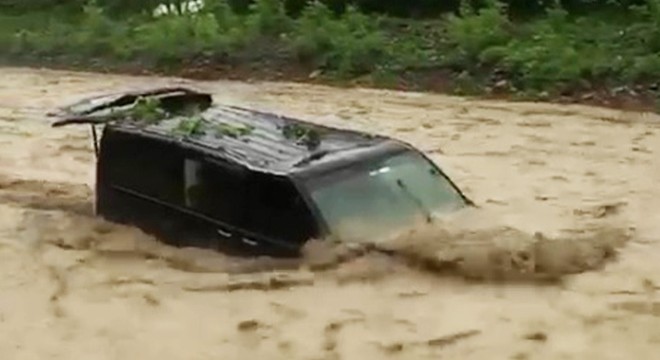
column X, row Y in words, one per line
column 256, row 139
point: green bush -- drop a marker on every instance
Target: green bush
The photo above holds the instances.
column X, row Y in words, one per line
column 175, row 37
column 268, row 18
column 563, row 51
column 475, row 32
column 398, row 8
column 350, row 44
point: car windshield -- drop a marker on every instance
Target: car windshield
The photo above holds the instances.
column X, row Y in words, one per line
column 369, row 203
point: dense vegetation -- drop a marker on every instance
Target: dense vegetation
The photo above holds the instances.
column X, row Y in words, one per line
column 542, row 47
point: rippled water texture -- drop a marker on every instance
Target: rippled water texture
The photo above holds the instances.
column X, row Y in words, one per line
column 561, row 260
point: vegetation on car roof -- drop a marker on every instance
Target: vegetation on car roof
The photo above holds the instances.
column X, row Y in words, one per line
column 234, row 130
column 190, row 126
column 148, row 110
column 302, row 135
column 194, row 125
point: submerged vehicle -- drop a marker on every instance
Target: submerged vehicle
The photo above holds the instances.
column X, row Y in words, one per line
column 242, row 181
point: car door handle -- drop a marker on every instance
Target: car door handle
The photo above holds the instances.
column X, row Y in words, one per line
column 249, row 242
column 224, row 233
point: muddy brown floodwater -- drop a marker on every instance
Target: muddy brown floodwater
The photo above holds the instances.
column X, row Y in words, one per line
column 561, row 260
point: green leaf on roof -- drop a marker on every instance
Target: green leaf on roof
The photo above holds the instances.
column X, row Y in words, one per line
column 234, row 131
column 148, row 110
column 190, row 126
column 302, row 135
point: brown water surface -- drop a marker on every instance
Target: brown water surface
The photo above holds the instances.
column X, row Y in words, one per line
column 562, row 260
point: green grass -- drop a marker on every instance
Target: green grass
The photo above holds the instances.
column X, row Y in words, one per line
column 552, row 53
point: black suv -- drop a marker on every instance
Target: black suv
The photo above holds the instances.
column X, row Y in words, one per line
column 195, row 173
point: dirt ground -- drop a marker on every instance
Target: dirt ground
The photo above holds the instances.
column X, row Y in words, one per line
column 561, row 260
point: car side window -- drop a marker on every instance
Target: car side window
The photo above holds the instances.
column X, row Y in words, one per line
column 147, row 166
column 215, row 190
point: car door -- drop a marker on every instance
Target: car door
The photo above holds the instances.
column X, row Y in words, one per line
column 214, row 192
column 278, row 221
column 139, row 183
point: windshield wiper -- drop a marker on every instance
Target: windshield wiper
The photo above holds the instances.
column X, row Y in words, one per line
column 417, row 201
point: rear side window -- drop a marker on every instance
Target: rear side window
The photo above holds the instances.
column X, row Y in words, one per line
column 144, row 165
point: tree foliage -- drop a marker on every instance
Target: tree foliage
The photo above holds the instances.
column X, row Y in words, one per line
column 481, row 42
column 399, row 8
